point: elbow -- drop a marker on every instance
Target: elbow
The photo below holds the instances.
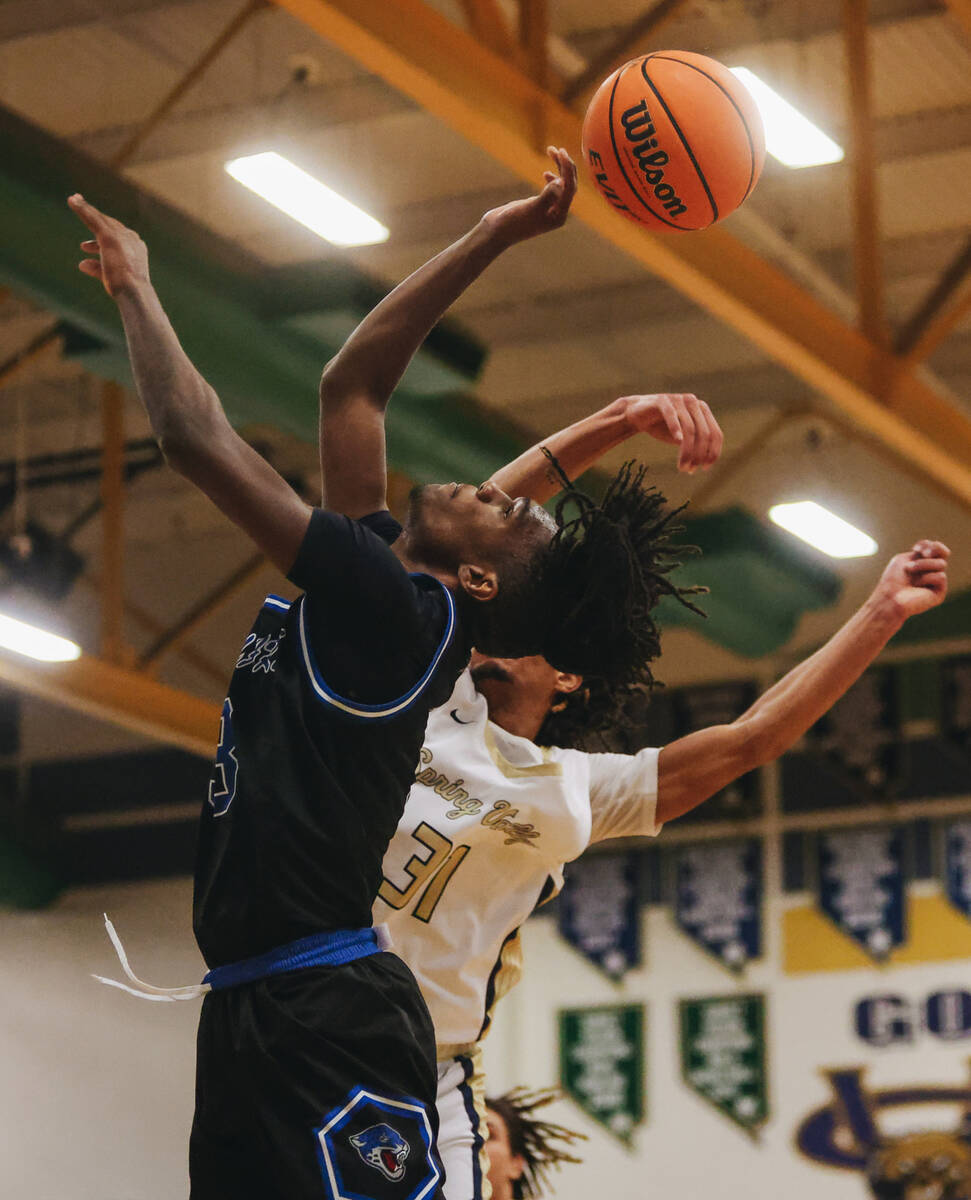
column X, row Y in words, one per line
column 178, row 451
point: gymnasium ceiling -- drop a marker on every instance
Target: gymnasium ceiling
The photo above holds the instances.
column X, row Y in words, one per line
column 567, row 322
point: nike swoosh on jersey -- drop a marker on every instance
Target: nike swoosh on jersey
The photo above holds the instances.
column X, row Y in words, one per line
column 459, row 720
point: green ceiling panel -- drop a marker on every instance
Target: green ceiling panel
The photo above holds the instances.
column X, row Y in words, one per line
column 760, row 583
column 261, row 336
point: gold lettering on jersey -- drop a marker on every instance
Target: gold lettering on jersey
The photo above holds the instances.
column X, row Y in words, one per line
column 500, row 816
column 461, row 804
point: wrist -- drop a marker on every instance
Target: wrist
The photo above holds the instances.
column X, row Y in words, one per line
column 882, row 611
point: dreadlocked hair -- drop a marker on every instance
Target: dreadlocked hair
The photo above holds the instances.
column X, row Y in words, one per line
column 605, row 570
column 533, row 1139
column 577, row 717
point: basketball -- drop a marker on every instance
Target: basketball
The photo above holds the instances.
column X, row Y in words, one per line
column 673, row 141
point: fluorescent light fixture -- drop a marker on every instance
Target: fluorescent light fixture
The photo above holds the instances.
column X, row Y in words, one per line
column 306, row 199
column 792, row 138
column 823, row 529
column 36, row 643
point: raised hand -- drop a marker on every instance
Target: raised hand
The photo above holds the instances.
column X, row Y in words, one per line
column 680, row 419
column 522, row 219
column 119, row 257
column 917, row 580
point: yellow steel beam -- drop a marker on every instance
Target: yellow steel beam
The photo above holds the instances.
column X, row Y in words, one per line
column 491, row 103
column 488, row 26
column 863, row 165
column 961, row 11
column 534, row 27
column 112, row 522
column 110, row 693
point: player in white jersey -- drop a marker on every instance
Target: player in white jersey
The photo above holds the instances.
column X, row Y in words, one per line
column 493, row 817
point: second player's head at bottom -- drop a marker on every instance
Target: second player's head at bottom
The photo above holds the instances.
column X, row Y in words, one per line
column 522, row 1147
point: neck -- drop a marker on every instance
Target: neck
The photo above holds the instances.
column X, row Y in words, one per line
column 519, row 716
column 412, row 561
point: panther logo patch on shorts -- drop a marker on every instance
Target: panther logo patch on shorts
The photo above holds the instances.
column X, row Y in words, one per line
column 375, row 1147
column 382, row 1148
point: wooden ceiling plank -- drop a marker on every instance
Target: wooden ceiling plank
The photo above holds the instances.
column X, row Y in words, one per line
column 623, row 47
column 173, row 638
column 937, row 315
column 202, row 64
column 862, row 156
column 112, row 522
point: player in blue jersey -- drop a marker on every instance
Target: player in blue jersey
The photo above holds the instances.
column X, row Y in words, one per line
column 316, row 1055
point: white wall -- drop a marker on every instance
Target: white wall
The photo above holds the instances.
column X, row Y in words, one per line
column 686, row 1148
column 96, row 1086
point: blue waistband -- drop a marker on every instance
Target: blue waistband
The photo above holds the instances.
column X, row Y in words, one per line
column 318, row 950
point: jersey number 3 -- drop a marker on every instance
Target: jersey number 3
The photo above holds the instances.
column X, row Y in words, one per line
column 222, row 785
column 435, row 871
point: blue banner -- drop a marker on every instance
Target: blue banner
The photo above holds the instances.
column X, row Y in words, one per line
column 861, row 886
column 957, row 862
column 599, row 913
column 957, row 701
column 718, row 899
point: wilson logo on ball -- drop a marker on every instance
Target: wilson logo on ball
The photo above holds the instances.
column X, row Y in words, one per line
column 640, row 131
column 673, row 141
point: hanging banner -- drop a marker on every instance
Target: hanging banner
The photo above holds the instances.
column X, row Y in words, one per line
column 860, row 735
column 718, row 899
column 601, row 1064
column 957, row 864
column 861, row 886
column 599, row 913
column 956, row 677
column 701, row 707
column 723, row 1055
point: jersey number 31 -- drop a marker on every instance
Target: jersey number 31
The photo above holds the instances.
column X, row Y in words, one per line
column 434, row 871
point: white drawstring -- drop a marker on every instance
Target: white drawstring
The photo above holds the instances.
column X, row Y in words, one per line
column 146, row 991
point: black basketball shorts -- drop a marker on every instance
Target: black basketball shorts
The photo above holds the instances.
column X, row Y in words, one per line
column 317, row 1084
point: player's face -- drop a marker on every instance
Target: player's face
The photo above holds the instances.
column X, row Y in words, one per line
column 504, row 1166
column 498, row 678
column 524, row 681
column 452, row 523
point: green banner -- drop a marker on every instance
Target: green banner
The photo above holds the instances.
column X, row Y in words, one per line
column 601, row 1064
column 723, row 1055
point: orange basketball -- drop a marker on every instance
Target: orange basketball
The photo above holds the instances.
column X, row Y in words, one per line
column 673, row 140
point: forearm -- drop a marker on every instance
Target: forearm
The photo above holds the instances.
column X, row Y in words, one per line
column 183, row 409
column 377, row 353
column 576, row 449
column 793, row 705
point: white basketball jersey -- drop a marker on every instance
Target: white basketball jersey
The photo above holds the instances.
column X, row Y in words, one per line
column 488, row 825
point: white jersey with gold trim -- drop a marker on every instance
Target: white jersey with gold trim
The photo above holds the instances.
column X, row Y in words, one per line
column 487, row 827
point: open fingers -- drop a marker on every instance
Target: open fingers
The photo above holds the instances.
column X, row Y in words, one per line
column 92, row 267
column 95, row 220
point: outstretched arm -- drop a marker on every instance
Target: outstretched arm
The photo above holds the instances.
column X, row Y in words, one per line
column 186, row 416
column 680, row 419
column 695, row 767
column 357, row 383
